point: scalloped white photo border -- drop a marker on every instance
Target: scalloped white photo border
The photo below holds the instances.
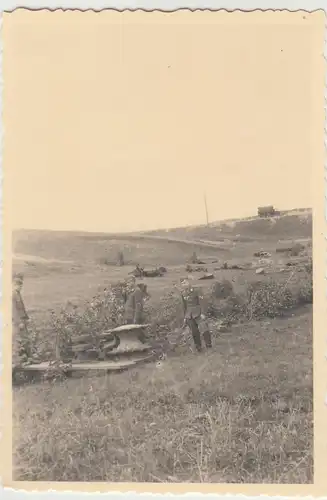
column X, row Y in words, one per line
column 147, row 5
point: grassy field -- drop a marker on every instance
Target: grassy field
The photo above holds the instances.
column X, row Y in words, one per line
column 240, row 413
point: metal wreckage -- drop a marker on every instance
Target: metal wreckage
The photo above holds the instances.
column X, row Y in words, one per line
column 113, row 350
column 100, row 349
column 105, row 348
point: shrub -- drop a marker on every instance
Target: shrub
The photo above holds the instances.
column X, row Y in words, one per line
column 268, row 299
column 230, row 309
column 166, row 315
column 104, row 311
column 309, row 268
column 305, row 293
column 262, row 299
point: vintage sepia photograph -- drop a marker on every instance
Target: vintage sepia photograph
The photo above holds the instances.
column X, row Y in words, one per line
column 161, row 207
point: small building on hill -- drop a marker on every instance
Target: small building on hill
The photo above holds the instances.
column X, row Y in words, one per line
column 268, row 211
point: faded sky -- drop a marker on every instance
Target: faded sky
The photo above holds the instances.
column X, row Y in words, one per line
column 117, row 125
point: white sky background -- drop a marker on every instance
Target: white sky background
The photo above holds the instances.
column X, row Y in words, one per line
column 124, row 107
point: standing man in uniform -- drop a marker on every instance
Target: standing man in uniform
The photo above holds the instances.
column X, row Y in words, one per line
column 20, row 336
column 134, row 307
column 194, row 315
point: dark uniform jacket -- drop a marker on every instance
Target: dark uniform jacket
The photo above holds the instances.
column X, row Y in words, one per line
column 19, row 330
column 134, row 307
column 19, row 314
column 193, row 303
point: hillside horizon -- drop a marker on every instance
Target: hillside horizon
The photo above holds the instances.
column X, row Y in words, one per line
column 221, row 239
column 215, row 223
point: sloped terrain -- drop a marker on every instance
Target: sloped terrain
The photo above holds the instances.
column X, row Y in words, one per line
column 293, row 224
column 241, row 413
column 91, row 248
column 169, row 245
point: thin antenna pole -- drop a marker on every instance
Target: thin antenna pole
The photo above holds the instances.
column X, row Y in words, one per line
column 206, row 208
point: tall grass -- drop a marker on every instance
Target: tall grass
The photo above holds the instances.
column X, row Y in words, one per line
column 233, row 415
column 240, row 413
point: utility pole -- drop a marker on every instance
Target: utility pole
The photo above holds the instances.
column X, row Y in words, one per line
column 206, row 208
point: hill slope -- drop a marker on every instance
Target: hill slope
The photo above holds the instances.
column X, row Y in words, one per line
column 292, row 224
column 162, row 246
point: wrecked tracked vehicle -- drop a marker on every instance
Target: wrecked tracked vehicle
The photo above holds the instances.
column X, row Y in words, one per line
column 140, row 272
column 112, row 350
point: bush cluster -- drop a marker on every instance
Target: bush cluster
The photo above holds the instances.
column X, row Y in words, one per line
column 104, row 311
column 262, row 299
column 268, row 299
column 305, row 293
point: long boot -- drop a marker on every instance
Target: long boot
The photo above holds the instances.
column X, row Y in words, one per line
column 196, row 335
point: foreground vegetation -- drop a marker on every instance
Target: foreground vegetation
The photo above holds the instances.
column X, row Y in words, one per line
column 240, row 413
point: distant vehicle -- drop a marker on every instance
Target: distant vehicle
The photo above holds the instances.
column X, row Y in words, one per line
column 268, row 211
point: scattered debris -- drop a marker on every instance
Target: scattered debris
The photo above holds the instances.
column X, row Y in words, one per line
column 283, row 249
column 153, row 273
column 195, row 260
column 230, row 266
column 262, row 253
column 245, row 266
column 292, row 250
column 191, row 269
column 266, row 262
column 140, row 272
column 208, row 276
column 290, row 264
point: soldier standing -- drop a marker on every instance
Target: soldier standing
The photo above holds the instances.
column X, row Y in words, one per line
column 20, row 337
column 194, row 315
column 134, row 306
